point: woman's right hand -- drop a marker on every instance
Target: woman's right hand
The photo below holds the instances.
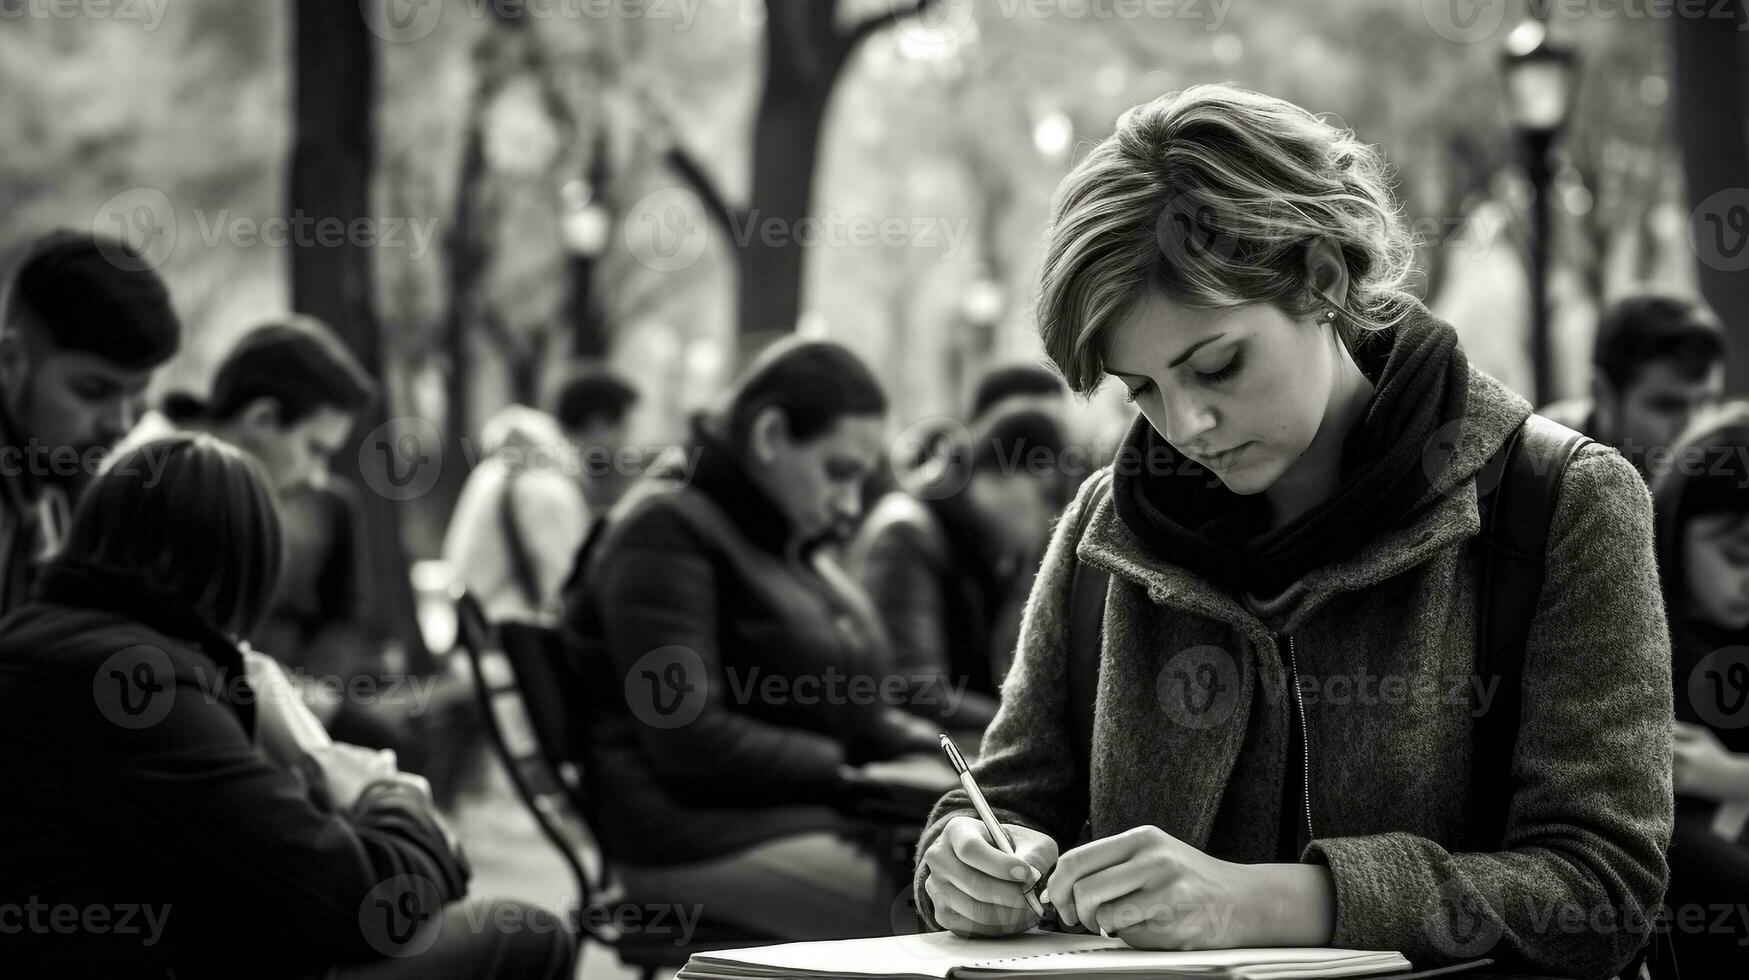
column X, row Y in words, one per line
column 979, row 889
column 348, row 769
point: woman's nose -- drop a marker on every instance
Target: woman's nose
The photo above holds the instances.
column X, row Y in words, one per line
column 1187, row 419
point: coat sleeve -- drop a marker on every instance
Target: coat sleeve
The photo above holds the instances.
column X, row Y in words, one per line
column 657, row 594
column 905, row 586
column 253, row 855
column 1025, row 767
column 1583, row 871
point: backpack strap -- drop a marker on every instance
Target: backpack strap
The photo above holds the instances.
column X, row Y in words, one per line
column 1516, row 516
column 515, row 547
column 1087, row 592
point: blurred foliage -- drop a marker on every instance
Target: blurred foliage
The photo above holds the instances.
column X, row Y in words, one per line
column 962, row 121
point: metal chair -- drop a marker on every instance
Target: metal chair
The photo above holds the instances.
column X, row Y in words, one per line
column 529, row 703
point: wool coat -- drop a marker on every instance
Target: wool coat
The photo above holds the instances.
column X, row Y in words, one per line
column 1199, row 689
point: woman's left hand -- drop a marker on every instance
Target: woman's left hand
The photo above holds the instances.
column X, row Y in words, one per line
column 1153, row 891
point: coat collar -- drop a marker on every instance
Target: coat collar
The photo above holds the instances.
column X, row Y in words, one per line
column 1449, row 514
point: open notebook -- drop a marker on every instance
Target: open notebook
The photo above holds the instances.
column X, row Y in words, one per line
column 944, row 956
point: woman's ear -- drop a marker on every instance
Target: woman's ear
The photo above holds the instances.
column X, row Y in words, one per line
column 768, row 427
column 1326, row 272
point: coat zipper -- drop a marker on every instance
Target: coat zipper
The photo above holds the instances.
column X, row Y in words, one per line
column 1293, row 667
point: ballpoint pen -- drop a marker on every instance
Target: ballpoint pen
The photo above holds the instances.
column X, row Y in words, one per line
column 998, row 836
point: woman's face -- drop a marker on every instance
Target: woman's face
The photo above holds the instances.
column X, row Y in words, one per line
column 1715, row 553
column 1243, row 391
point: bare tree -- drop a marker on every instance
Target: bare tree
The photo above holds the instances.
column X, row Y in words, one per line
column 334, row 72
column 1712, row 111
column 806, row 49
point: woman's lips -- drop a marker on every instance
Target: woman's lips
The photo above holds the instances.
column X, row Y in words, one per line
column 1225, row 459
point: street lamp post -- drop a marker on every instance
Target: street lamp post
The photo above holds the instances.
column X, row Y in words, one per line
column 585, row 227
column 1538, row 75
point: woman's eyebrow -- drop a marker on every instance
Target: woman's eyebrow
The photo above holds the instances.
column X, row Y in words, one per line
column 1199, row 345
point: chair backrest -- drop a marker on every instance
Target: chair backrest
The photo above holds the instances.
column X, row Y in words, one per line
column 514, row 728
column 551, row 695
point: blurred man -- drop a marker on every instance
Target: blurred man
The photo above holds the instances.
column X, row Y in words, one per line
column 288, row 394
column 1658, row 360
column 525, row 511
column 80, row 336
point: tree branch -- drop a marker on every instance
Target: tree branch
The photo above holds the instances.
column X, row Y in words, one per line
column 701, row 184
column 850, row 39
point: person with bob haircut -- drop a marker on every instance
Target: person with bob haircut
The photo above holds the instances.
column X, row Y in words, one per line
column 1295, row 511
column 1702, row 496
column 154, row 772
column 729, row 673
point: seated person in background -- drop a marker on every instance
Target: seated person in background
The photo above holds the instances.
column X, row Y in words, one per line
column 1703, row 549
column 736, row 689
column 525, row 509
column 288, row 394
column 1019, row 387
column 594, row 409
column 949, row 563
column 79, row 339
column 141, row 776
column 320, row 619
column 1657, row 360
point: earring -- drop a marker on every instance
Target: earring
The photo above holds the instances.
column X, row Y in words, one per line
column 1329, row 316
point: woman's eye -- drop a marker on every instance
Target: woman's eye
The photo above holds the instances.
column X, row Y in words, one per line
column 1221, row 374
column 1131, row 394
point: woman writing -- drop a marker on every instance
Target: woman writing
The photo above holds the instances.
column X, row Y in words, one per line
column 1284, row 734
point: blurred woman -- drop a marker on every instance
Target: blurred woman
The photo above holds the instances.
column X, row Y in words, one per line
column 1702, row 496
column 737, row 689
column 1283, row 727
column 153, row 786
column 948, row 562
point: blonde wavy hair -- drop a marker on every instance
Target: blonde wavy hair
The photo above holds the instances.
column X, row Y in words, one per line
column 1213, row 196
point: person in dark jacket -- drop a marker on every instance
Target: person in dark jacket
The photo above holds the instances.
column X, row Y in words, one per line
column 1702, row 495
column 738, row 687
column 157, row 820
column 948, row 562
column 83, row 326
column 1284, row 727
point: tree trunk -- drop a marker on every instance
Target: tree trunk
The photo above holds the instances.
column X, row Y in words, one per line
column 335, row 80
column 1712, row 124
column 785, row 144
